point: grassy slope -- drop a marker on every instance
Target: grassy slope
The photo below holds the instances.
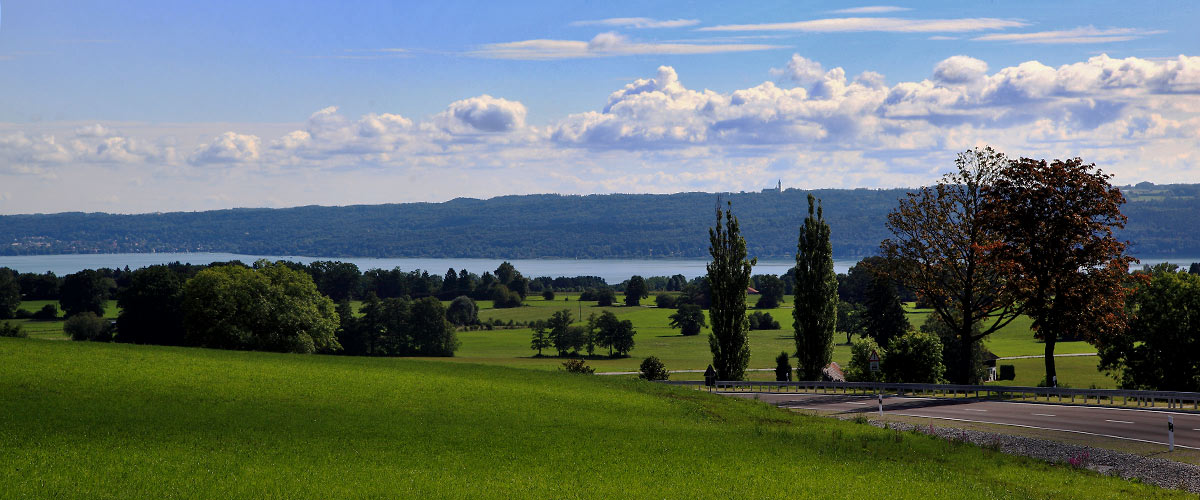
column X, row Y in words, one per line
column 119, row 421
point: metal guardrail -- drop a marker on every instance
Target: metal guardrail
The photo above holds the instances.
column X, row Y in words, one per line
column 1173, row 399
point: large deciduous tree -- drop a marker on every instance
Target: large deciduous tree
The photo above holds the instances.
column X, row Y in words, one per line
column 85, row 291
column 635, row 291
column 945, row 251
column 816, row 299
column 728, row 277
column 271, row 308
column 1057, row 220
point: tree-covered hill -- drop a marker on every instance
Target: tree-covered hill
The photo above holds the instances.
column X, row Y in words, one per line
column 546, row 225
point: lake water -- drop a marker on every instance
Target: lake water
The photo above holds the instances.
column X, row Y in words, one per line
column 612, row 270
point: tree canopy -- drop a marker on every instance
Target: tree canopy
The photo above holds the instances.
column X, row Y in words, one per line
column 815, row 309
column 728, row 277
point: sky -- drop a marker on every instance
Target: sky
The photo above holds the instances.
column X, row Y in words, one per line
column 150, row 106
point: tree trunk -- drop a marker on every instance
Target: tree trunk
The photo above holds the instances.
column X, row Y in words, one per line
column 1050, row 373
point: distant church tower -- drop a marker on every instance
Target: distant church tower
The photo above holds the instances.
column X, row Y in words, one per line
column 779, row 185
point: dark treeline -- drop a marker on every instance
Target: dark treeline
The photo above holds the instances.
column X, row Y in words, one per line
column 533, row 226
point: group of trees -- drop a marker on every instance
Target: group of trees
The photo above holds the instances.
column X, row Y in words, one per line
column 603, row 331
column 994, row 239
column 396, row 326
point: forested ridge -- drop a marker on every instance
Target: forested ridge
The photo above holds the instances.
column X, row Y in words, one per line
column 1161, row 218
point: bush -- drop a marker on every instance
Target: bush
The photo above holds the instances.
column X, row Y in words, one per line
column 1007, row 372
column 548, row 294
column 462, row 311
column 914, row 358
column 783, row 367
column 664, row 301
column 859, row 367
column 22, row 314
column 87, row 326
column 503, row 298
column 762, row 321
column 48, row 312
column 605, row 297
column 577, row 366
column 12, row 330
column 653, row 369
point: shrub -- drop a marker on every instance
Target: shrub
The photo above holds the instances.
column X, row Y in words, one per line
column 665, row 301
column 1007, row 372
column 22, row 314
column 548, row 294
column 653, row 369
column 87, row 326
column 462, row 311
column 48, row 312
column 859, row 367
column 12, row 330
column 762, row 321
column 503, row 298
column 605, row 297
column 915, row 358
column 577, row 366
column 783, row 367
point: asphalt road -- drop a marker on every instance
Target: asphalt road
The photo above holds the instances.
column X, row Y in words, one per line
column 1148, row 426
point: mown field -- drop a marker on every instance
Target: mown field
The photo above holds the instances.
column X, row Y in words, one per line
column 91, row 420
column 510, row 347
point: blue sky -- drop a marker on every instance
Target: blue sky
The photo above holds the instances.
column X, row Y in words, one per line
column 149, row 106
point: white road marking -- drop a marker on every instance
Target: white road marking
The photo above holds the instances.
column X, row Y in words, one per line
column 1043, row 414
column 853, row 403
column 1118, row 421
column 972, row 409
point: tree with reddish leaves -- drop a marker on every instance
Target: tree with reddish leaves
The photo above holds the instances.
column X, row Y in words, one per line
column 945, row 250
column 1057, row 220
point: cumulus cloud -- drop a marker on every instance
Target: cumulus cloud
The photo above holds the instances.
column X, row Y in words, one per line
column 1087, row 34
column 608, row 44
column 960, row 69
column 487, row 114
column 229, row 147
column 638, row 22
column 885, row 24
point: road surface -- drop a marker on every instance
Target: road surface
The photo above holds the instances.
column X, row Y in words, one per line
column 1147, row 426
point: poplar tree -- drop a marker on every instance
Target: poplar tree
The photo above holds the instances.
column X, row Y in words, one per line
column 728, row 277
column 815, row 312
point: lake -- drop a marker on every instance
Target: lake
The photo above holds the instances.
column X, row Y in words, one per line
column 612, row 270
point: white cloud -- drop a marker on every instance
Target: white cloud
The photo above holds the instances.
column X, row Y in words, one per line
column 960, row 69
column 638, row 22
column 229, row 147
column 1087, row 34
column 487, row 114
column 886, row 24
column 607, row 44
column 872, row 9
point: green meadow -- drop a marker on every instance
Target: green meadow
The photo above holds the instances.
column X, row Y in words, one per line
column 510, row 346
column 102, row 420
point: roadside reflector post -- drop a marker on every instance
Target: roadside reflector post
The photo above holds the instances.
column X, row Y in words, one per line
column 881, row 404
column 1170, row 433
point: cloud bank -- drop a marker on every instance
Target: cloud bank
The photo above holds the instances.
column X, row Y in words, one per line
column 809, row 125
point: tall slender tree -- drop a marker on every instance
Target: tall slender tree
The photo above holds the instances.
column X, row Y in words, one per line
column 815, row 311
column 1057, row 220
column 945, row 251
column 728, row 277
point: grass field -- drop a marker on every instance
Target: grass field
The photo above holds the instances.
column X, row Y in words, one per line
column 90, row 420
column 510, row 347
